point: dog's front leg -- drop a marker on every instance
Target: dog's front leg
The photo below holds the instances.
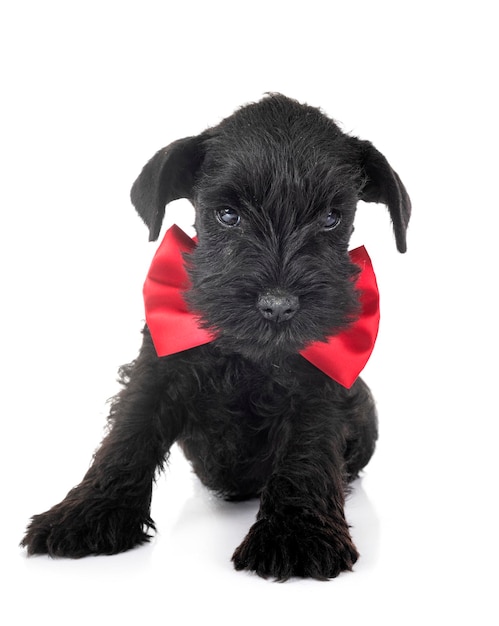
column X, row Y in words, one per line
column 301, row 528
column 109, row 511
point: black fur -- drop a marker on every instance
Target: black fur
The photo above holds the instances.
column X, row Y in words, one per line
column 252, row 416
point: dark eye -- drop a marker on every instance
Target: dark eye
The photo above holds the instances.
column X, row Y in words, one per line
column 332, row 220
column 228, row 217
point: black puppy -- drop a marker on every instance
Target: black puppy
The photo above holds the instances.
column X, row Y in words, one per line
column 275, row 188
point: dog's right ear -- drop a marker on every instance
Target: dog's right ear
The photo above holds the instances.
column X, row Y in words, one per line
column 169, row 175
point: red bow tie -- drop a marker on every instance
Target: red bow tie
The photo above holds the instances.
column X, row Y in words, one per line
column 174, row 328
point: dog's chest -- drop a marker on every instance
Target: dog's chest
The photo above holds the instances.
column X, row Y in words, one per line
column 236, row 426
column 258, row 398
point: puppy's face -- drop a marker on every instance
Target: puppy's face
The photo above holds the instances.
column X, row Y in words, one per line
column 274, row 214
column 275, row 187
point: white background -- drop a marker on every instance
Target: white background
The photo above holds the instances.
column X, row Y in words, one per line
column 89, row 91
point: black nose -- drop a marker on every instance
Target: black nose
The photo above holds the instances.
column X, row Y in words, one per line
column 277, row 307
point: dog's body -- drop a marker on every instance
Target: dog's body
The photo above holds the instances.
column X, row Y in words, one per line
column 275, row 187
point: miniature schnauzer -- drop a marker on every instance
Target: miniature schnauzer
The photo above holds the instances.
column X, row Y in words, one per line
column 255, row 335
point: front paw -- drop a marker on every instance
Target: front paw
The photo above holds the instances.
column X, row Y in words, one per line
column 304, row 547
column 77, row 529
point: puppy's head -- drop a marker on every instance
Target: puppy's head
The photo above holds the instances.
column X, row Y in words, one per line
column 275, row 188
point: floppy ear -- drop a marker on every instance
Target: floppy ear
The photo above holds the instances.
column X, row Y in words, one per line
column 384, row 185
column 169, row 175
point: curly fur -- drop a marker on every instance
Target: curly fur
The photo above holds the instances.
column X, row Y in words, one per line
column 254, row 418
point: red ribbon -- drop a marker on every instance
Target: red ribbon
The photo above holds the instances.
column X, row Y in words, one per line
column 175, row 328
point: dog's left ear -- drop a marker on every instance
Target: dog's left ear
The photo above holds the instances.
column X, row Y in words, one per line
column 169, row 175
column 384, row 185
